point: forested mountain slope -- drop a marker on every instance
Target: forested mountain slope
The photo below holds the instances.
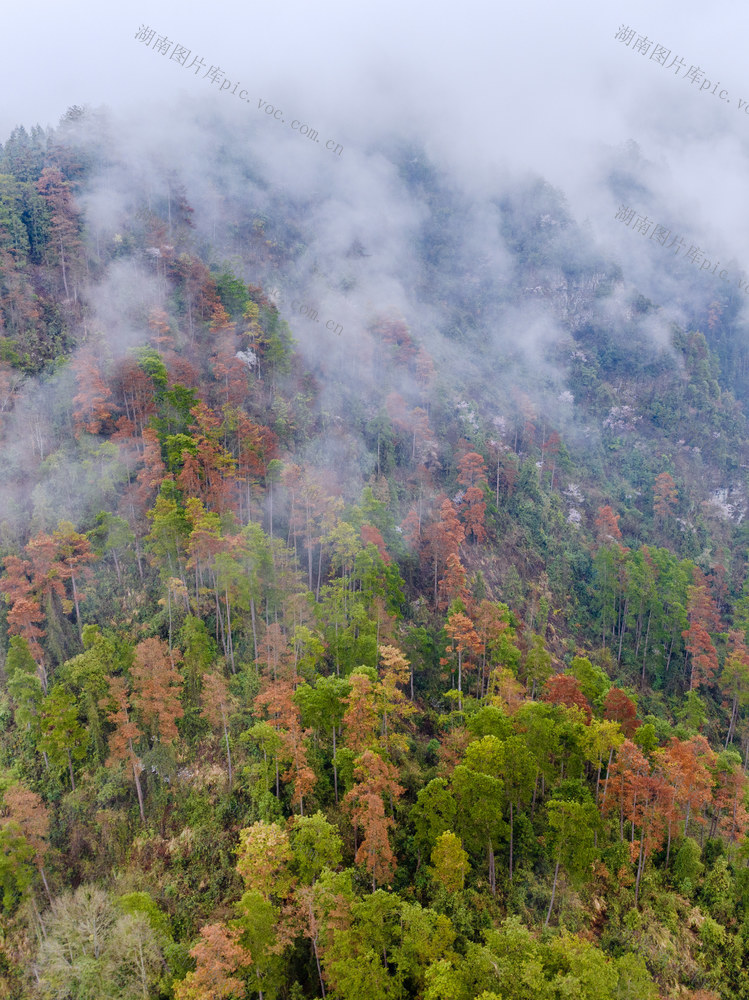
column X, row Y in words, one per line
column 405, row 659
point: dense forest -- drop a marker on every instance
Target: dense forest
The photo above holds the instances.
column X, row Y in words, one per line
column 411, row 662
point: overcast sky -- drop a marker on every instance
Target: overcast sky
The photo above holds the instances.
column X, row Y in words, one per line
column 487, row 86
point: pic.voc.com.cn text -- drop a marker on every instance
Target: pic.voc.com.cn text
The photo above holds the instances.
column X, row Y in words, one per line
column 659, row 234
column 660, row 55
column 179, row 54
column 308, row 312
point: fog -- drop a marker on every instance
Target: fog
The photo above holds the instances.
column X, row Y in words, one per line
column 487, row 89
column 484, row 101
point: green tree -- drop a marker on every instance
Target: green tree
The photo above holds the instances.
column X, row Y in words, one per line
column 432, row 814
column 538, row 666
column 479, row 795
column 518, row 774
column 450, row 862
column 86, row 677
column 570, row 839
column 199, row 654
column 315, row 845
column 593, row 681
column 63, row 738
column 24, row 684
column 323, row 707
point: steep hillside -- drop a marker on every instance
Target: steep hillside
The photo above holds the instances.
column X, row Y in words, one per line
column 375, row 610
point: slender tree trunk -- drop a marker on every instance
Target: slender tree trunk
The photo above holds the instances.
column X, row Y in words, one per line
column 75, row 601
column 606, row 782
column 640, row 866
column 713, row 825
column 309, row 560
column 622, row 629
column 511, row 838
column 621, row 814
column 670, row 651
column 228, row 751
column 219, row 619
column 314, row 948
column 228, row 632
column 70, row 769
column 335, row 768
column 632, row 820
column 638, row 630
column 254, row 629
column 553, row 893
column 43, row 935
column 46, row 885
column 732, row 723
column 492, row 870
column 64, row 273
column 645, row 651
column 138, row 788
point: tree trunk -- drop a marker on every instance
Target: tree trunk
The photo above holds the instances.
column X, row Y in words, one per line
column 46, row 886
column 606, row 782
column 228, row 631
column 70, row 769
column 335, row 769
column 511, row 838
column 645, row 651
column 553, row 893
column 317, row 956
column 254, row 629
column 732, row 723
column 640, row 866
column 138, row 789
column 622, row 629
column 219, row 619
column 228, row 751
column 75, row 602
column 670, row 651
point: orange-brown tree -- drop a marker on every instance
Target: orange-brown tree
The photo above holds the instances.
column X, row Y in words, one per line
column 157, row 685
column 463, row 639
column 375, row 779
column 126, row 733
